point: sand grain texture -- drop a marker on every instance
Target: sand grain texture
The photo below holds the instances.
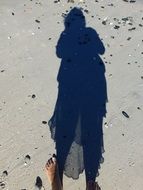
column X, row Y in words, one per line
column 28, row 89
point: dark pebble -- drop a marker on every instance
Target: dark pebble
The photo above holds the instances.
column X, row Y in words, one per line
column 116, row 27
column 86, row 11
column 125, row 114
column 2, row 71
column 33, row 95
column 57, row 1
column 39, row 183
column 132, row 1
column 130, row 29
column 27, row 157
column 129, row 38
column 104, row 22
column 12, row 13
column 44, row 122
column 5, row 173
column 2, row 185
column 38, row 21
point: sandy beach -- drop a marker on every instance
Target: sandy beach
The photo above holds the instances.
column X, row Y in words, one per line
column 29, row 32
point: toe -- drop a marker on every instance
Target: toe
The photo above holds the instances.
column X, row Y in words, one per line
column 51, row 161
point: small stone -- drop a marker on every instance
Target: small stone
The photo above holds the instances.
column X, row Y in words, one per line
column 33, row 95
column 70, row 1
column 57, row 1
column 129, row 38
column 104, row 22
column 130, row 29
column 132, row 1
column 106, row 125
column 125, row 114
column 86, row 11
column 12, row 13
column 38, row 182
column 44, row 122
column 2, row 71
column 138, row 108
column 2, row 184
column 112, row 37
column 116, row 27
column 38, row 21
column 5, row 173
column 27, row 159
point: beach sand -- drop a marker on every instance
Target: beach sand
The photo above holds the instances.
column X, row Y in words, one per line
column 29, row 31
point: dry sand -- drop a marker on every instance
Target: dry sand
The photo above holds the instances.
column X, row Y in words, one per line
column 29, row 66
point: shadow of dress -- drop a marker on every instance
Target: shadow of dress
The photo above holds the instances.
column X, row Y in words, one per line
column 76, row 125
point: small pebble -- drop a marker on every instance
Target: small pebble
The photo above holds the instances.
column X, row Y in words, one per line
column 44, row 122
column 125, row 114
column 33, row 95
column 27, row 159
column 38, row 21
column 39, row 183
column 5, row 173
column 116, row 27
column 2, row 185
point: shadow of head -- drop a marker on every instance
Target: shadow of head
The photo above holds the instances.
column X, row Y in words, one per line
column 75, row 19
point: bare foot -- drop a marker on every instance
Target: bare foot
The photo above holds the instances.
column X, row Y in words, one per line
column 52, row 173
column 91, row 185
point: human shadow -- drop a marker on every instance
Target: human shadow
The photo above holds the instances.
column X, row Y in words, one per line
column 76, row 124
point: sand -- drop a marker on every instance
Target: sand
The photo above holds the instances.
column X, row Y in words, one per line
column 28, row 90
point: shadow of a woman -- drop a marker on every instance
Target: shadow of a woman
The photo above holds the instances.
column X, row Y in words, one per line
column 76, row 125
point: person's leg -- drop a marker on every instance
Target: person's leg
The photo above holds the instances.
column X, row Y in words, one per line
column 52, row 173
